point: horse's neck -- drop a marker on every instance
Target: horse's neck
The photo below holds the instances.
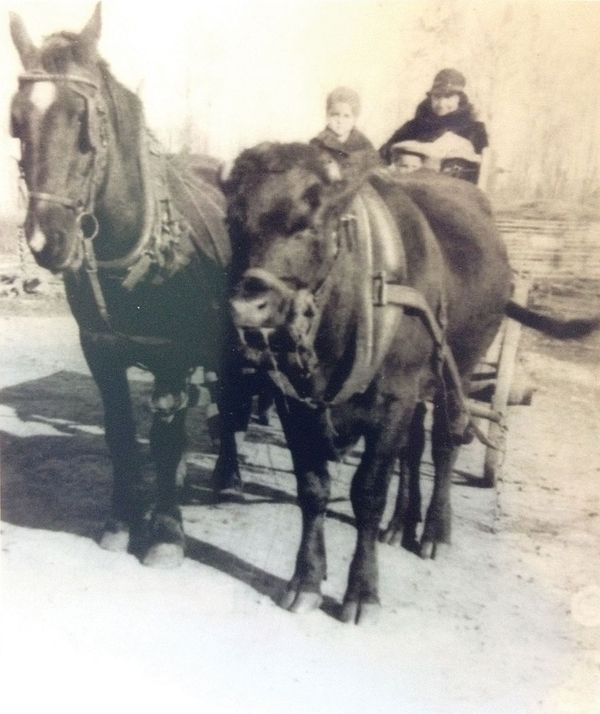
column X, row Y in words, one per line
column 122, row 198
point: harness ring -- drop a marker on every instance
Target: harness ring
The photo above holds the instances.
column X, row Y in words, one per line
column 88, row 225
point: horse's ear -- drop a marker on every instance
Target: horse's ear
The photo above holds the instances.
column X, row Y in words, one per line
column 28, row 52
column 90, row 34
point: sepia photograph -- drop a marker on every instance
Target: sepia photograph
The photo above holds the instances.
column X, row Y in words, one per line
column 300, row 375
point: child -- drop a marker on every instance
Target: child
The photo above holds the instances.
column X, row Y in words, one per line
column 345, row 150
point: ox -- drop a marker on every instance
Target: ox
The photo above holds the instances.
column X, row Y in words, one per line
column 361, row 301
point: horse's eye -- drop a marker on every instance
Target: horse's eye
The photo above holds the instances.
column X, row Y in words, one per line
column 15, row 127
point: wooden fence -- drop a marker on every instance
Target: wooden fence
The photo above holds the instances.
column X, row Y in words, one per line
column 543, row 249
column 553, row 248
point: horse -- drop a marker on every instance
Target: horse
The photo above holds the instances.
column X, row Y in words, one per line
column 140, row 240
column 361, row 300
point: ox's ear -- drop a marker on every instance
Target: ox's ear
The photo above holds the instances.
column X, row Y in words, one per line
column 223, row 175
column 90, row 34
column 28, row 52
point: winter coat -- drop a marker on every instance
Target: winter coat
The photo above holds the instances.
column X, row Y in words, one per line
column 354, row 156
column 427, row 126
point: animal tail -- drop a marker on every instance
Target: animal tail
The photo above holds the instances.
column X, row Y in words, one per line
column 552, row 326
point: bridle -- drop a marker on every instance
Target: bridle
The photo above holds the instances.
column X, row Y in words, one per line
column 344, row 236
column 86, row 221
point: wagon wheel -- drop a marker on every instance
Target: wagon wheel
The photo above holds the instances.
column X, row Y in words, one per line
column 506, row 347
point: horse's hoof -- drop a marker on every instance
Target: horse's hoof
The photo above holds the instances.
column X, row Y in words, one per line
column 164, row 556
column 234, row 494
column 226, row 480
column 263, row 419
column 115, row 537
column 363, row 612
column 300, row 602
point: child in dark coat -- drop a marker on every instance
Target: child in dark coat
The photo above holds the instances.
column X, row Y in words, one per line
column 345, row 150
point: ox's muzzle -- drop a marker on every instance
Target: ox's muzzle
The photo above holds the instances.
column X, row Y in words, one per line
column 261, row 301
column 271, row 318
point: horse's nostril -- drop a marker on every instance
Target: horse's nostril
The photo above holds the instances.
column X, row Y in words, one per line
column 262, row 305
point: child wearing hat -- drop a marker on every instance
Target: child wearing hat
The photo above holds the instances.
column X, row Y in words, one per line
column 445, row 110
column 345, row 150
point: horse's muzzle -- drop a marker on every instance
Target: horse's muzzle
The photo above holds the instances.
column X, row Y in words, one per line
column 53, row 238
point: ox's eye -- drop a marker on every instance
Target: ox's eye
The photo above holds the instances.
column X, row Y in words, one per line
column 312, row 195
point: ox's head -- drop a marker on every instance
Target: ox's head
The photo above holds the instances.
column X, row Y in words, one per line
column 54, row 116
column 284, row 215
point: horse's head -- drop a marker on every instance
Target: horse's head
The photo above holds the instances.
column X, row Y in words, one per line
column 57, row 114
column 286, row 222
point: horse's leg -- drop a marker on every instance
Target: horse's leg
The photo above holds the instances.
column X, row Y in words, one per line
column 167, row 445
column 402, row 527
column 444, row 450
column 303, row 592
column 368, row 496
column 264, row 403
column 127, row 502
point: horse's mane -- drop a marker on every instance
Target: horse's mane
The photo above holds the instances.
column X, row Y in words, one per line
column 61, row 50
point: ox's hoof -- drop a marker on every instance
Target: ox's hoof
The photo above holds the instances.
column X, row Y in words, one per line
column 300, row 601
column 168, row 542
column 164, row 556
column 392, row 535
column 431, row 549
column 399, row 536
column 115, row 536
column 361, row 612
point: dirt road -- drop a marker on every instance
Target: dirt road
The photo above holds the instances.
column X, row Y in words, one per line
column 507, row 621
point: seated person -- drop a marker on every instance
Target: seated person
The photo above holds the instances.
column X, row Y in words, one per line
column 409, row 156
column 450, row 154
column 445, row 110
column 345, row 150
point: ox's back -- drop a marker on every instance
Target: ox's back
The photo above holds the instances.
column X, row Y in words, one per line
column 475, row 271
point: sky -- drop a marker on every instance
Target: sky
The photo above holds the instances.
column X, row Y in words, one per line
column 226, row 74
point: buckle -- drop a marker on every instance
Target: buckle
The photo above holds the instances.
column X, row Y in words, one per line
column 379, row 289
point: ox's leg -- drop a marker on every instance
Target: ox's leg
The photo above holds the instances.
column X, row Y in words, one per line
column 304, row 438
column 167, row 445
column 127, row 501
column 444, row 449
column 402, row 527
column 234, row 403
column 368, row 496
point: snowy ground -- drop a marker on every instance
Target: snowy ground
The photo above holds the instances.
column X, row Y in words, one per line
column 507, row 621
